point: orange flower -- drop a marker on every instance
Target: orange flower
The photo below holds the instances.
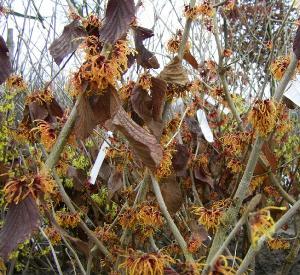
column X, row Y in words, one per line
column 235, row 144
column 16, row 82
column 138, row 263
column 18, row 189
column 279, row 66
column 263, row 116
column 53, row 235
column 67, row 219
column 261, row 223
column 126, row 90
column 210, row 218
column 227, row 52
column 191, row 13
column 47, row 133
column 145, row 81
column 206, row 9
column 235, row 165
column 275, row 244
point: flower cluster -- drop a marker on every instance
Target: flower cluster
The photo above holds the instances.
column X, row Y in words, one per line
column 98, row 70
column 205, row 9
column 16, row 83
column 18, row 189
column 263, row 116
column 40, row 96
column 279, row 66
column 67, row 219
column 53, row 235
column 138, row 263
column 276, row 244
column 262, row 223
column 235, row 144
column 126, row 90
column 174, row 43
column 256, row 182
column 145, row 219
column 211, row 217
column 47, row 133
column 145, row 81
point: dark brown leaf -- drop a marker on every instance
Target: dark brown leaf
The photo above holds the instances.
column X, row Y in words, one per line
column 172, row 194
column 5, row 64
column 20, row 222
column 175, row 73
column 119, row 15
column 290, row 104
column 68, row 42
column 158, row 93
column 191, row 60
column 144, row 57
column 150, row 108
column 181, row 158
column 193, row 126
column 203, row 177
column 141, row 103
column 38, row 111
column 115, row 183
column 296, row 44
column 94, row 110
column 143, row 143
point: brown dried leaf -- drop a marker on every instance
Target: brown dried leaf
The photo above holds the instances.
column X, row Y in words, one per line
column 20, row 222
column 119, row 14
column 141, row 103
column 94, row 110
column 175, row 73
column 296, row 44
column 114, row 183
column 181, row 158
column 68, row 42
column 144, row 144
column 5, row 64
column 290, row 104
column 202, row 176
column 191, row 60
column 38, row 111
column 158, row 93
column 145, row 58
column 172, row 194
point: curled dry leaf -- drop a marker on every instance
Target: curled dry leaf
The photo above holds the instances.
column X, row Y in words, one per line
column 143, row 143
column 114, row 183
column 141, row 103
column 68, row 42
column 181, row 158
column 144, row 57
column 20, row 222
column 5, row 64
column 296, row 44
column 203, row 177
column 191, row 60
column 119, row 14
column 267, row 160
column 172, row 194
column 175, row 73
column 94, row 110
column 150, row 108
column 158, row 93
